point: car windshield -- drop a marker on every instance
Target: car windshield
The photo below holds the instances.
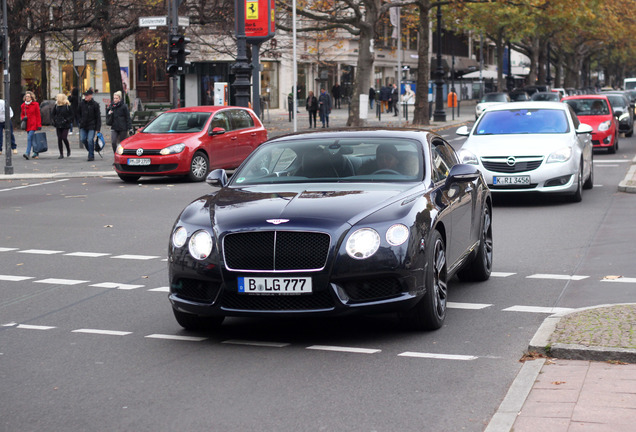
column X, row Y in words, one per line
column 553, row 97
column 588, row 107
column 333, row 160
column 617, row 101
column 178, row 122
column 494, row 97
column 523, row 121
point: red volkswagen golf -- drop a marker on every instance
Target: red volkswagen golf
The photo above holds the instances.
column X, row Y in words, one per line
column 596, row 111
column 190, row 142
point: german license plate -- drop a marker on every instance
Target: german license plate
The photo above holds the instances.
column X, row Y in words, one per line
column 138, row 162
column 511, row 180
column 274, row 285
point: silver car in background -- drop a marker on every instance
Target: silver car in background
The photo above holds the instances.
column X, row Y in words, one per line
column 531, row 147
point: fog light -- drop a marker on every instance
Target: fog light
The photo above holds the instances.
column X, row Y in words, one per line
column 559, row 181
column 606, row 140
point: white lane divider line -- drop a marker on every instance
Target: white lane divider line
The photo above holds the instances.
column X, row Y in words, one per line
column 176, row 337
column 87, row 254
column 5, row 249
column 602, row 161
column 160, row 289
column 34, row 327
column 136, row 257
column 501, row 274
column 53, row 281
column 537, row 309
column 11, row 278
column 621, row 280
column 40, row 251
column 438, row 356
column 102, row 332
column 343, row 349
column 256, row 343
column 471, row 306
column 32, row 185
column 556, row 277
column 114, row 285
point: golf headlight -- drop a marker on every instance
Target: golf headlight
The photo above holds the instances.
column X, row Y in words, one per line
column 467, row 157
column 561, row 155
column 604, row 126
column 200, row 245
column 120, row 150
column 179, row 237
column 363, row 243
column 623, row 117
column 397, row 234
column 175, row 148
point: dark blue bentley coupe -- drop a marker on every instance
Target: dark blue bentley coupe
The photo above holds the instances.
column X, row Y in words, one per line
column 342, row 222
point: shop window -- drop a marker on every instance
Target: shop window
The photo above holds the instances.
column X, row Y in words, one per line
column 32, row 78
column 269, row 84
column 69, row 76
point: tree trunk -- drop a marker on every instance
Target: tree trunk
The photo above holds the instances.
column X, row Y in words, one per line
column 499, row 46
column 15, row 72
column 112, row 66
column 421, row 115
column 44, row 87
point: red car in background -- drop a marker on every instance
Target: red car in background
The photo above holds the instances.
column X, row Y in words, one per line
column 190, row 142
column 596, row 111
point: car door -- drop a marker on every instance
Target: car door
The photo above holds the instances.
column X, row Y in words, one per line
column 220, row 145
column 244, row 136
column 461, row 200
column 584, row 142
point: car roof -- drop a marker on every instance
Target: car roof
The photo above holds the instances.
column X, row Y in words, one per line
column 207, row 108
column 373, row 132
column 528, row 105
column 587, row 96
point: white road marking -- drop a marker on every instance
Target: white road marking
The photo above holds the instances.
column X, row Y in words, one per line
column 34, row 327
column 102, row 332
column 114, row 285
column 622, row 280
column 606, row 165
column 473, row 306
column 40, row 251
column 160, row 289
column 537, row 309
column 256, row 343
column 15, row 278
column 136, row 257
column 556, row 277
column 344, row 349
column 501, row 274
column 11, row 324
column 4, row 249
column 601, row 161
column 32, row 185
column 87, row 254
column 175, row 337
column 61, row 281
column 437, row 356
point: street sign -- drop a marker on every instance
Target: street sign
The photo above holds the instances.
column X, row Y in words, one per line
column 184, row 21
column 153, row 21
column 259, row 20
column 79, row 58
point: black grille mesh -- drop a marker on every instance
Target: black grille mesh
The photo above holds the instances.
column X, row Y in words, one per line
column 195, row 290
column 314, row 301
column 372, row 289
column 503, row 167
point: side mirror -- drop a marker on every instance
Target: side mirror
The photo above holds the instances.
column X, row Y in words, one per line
column 463, row 131
column 584, row 129
column 217, row 178
column 217, row 131
column 462, row 173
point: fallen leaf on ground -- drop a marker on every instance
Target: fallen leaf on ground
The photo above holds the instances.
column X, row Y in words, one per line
column 558, row 382
column 612, row 277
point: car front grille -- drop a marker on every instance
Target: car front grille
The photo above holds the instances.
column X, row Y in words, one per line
column 133, row 152
column 520, row 164
column 517, row 186
column 195, row 290
column 146, row 168
column 276, row 250
column 372, row 289
column 316, row 301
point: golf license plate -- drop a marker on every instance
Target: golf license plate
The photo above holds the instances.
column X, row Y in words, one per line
column 274, row 285
column 139, row 162
column 511, row 180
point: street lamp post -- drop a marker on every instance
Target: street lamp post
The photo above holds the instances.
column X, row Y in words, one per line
column 8, row 168
column 241, row 67
column 440, row 113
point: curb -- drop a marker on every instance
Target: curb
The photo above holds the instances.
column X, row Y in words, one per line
column 629, row 182
column 33, row 176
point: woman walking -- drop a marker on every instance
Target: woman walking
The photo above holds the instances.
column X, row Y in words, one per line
column 62, row 120
column 118, row 117
column 30, row 110
column 312, row 108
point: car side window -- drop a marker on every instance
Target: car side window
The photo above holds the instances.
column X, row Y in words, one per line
column 443, row 158
column 220, row 120
column 241, row 119
column 575, row 119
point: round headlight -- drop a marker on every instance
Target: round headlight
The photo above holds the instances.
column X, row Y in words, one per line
column 397, row 234
column 363, row 243
column 120, row 150
column 200, row 245
column 179, row 237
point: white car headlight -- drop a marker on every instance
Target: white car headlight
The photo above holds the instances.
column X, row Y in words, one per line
column 120, row 149
column 561, row 155
column 467, row 157
column 623, row 117
column 200, row 245
column 397, row 234
column 175, row 148
column 363, row 243
column 179, row 237
column 604, row 126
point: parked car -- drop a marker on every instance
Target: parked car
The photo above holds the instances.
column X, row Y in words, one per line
column 343, row 222
column 189, row 142
column 519, row 96
column 596, row 111
column 488, row 100
column 532, row 89
column 548, row 96
column 531, row 147
column 623, row 110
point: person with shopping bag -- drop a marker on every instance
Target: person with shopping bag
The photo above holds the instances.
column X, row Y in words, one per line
column 62, row 116
column 30, row 115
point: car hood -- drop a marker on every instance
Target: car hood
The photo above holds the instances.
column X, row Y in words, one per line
column 149, row 141
column 317, row 206
column 516, row 145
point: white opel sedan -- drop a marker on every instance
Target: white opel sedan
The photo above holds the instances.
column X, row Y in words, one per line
column 531, row 147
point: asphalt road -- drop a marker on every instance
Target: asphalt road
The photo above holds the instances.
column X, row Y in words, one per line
column 88, row 341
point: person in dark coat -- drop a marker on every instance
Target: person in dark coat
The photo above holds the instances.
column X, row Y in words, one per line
column 371, row 97
column 336, row 94
column 385, row 96
column 62, row 116
column 312, row 107
column 90, row 122
column 395, row 98
column 118, row 116
column 74, row 100
column 324, row 105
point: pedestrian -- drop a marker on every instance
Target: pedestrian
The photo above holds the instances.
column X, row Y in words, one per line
column 385, row 96
column 312, row 107
column 118, row 117
column 74, row 100
column 90, row 122
column 371, row 97
column 2, row 120
column 62, row 116
column 336, row 93
column 30, row 110
column 324, row 104
column 395, row 99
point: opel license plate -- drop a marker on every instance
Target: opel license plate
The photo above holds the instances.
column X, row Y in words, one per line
column 274, row 285
column 511, row 180
column 139, row 162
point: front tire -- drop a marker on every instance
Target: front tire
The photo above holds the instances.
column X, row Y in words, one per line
column 199, row 167
column 589, row 183
column 429, row 313
column 480, row 268
column 577, row 196
column 197, row 323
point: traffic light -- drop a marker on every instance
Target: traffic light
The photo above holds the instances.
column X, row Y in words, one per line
column 177, row 53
